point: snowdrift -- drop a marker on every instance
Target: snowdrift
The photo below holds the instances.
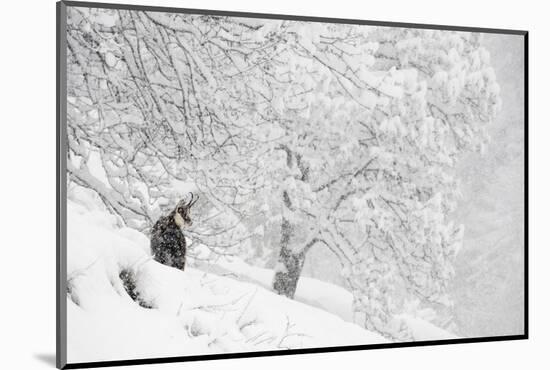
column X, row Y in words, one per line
column 328, row 297
column 175, row 313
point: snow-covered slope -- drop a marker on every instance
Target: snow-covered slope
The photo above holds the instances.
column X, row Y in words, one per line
column 328, row 297
column 314, row 292
column 181, row 313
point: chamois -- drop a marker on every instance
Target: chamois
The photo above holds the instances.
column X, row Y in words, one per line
column 168, row 244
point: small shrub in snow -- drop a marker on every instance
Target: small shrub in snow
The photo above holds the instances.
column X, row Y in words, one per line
column 129, row 282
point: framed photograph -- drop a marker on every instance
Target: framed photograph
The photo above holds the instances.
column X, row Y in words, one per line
column 238, row 184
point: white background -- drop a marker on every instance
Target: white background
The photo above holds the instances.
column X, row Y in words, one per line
column 27, row 194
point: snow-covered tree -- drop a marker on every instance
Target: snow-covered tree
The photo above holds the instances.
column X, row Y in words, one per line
column 158, row 101
column 378, row 120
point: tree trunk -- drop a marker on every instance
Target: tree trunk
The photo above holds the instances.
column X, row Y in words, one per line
column 289, row 264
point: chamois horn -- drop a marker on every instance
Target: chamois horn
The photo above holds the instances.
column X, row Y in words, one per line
column 193, row 200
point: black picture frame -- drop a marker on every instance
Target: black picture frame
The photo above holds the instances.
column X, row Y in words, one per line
column 61, row 193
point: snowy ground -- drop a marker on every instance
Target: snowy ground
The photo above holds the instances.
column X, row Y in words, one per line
column 328, row 297
column 192, row 312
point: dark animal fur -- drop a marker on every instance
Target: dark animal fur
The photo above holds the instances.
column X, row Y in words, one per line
column 168, row 244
